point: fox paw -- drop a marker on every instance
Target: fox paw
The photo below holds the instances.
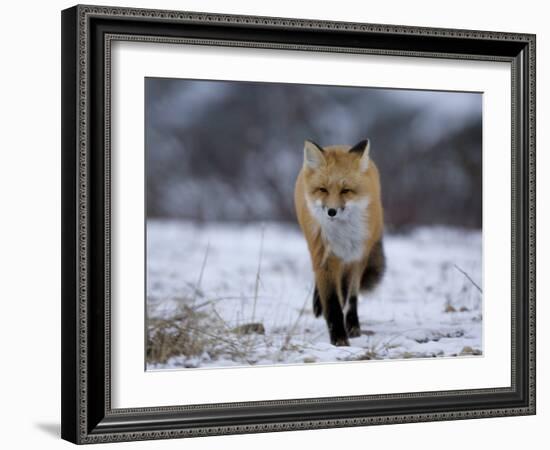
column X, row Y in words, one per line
column 352, row 325
column 354, row 331
column 340, row 341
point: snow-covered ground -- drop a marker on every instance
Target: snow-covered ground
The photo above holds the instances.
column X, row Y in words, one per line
column 206, row 281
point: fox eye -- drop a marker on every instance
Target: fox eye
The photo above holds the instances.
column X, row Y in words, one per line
column 345, row 191
column 323, row 190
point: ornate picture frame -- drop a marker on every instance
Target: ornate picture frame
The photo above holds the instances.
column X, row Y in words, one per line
column 88, row 33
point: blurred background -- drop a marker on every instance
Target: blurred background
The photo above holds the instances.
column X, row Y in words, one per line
column 230, row 151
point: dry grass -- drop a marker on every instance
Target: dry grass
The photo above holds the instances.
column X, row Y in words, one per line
column 179, row 335
column 196, row 335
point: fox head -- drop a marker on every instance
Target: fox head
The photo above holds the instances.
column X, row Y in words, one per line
column 335, row 181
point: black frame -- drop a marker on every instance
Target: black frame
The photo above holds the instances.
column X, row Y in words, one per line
column 87, row 32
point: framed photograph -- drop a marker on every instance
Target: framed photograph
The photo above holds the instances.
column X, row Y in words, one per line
column 281, row 224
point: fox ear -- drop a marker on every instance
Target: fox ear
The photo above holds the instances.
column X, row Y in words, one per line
column 313, row 155
column 363, row 149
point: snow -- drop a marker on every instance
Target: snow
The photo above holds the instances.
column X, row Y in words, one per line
column 236, row 274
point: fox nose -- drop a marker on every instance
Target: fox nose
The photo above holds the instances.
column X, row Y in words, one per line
column 331, row 212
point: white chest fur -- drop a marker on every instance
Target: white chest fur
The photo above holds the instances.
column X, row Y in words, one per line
column 345, row 235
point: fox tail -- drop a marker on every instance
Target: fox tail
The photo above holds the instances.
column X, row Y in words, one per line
column 376, row 266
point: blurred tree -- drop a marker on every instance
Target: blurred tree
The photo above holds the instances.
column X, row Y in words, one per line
column 232, row 150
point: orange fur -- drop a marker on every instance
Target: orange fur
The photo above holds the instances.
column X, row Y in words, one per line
column 335, row 178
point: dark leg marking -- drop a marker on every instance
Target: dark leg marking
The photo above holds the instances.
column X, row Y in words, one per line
column 335, row 321
column 352, row 320
column 317, row 307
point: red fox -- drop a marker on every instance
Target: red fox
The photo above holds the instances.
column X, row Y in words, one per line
column 339, row 209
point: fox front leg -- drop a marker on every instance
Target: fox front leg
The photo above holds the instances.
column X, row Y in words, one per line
column 317, row 308
column 330, row 301
column 353, row 328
